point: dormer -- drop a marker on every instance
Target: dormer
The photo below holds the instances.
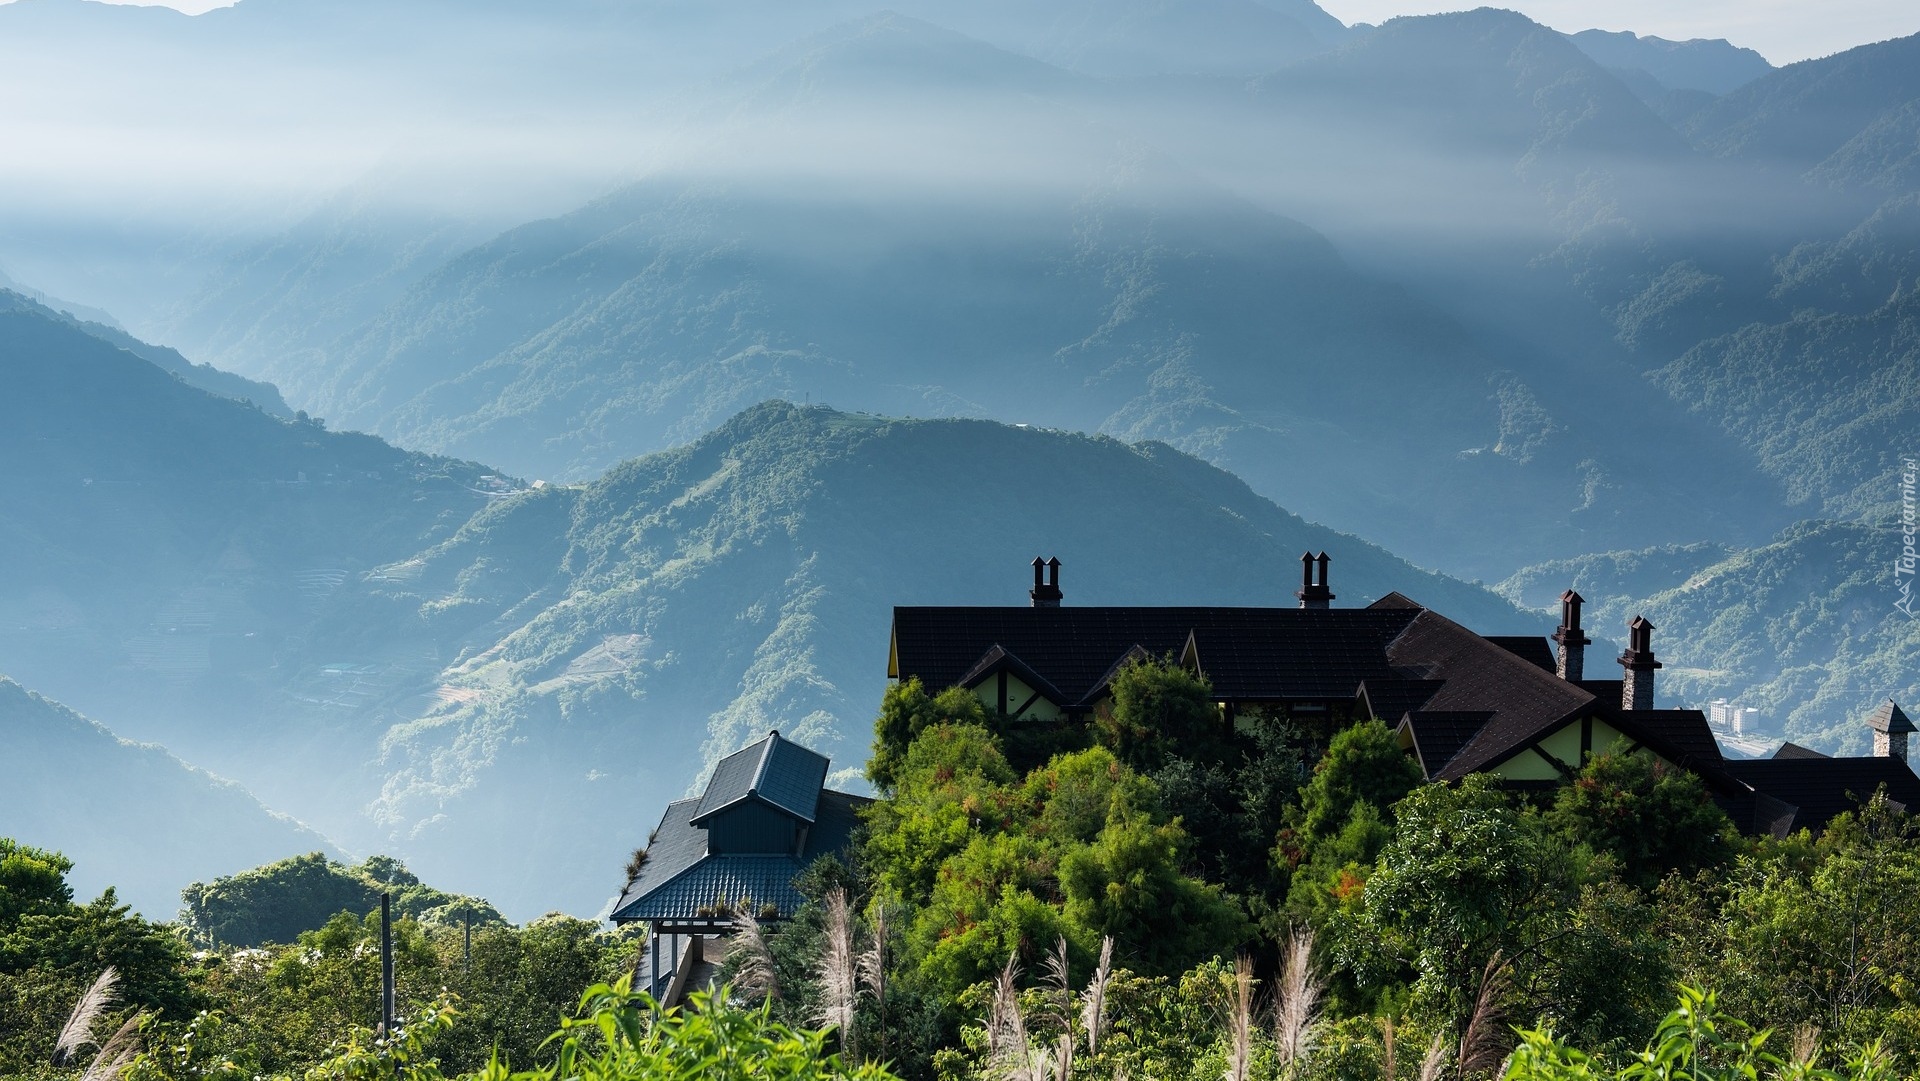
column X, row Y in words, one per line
column 1010, row 687
column 761, row 800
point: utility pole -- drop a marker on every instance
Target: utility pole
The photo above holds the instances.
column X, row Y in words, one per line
column 386, row 964
column 469, row 949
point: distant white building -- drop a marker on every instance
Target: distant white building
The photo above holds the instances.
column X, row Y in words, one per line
column 1724, row 716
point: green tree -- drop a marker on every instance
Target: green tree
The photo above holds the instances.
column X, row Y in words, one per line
column 622, row 1036
column 1698, row 1041
column 33, row 882
column 1160, row 709
column 952, row 781
column 1649, row 817
column 1343, row 821
column 1363, row 764
column 1127, row 883
column 1467, row 874
column 1831, row 941
column 518, row 981
column 52, row 949
column 906, row 710
column 278, row 901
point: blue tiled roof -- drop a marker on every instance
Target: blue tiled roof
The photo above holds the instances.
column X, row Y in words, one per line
column 775, row 770
column 681, row 876
column 760, row 879
column 677, row 845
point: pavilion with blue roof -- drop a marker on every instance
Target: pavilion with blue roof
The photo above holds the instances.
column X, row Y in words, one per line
column 765, row 815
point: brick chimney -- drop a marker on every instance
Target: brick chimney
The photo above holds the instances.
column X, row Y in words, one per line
column 1636, row 689
column 1573, row 641
column 1313, row 591
column 1890, row 731
column 1046, row 583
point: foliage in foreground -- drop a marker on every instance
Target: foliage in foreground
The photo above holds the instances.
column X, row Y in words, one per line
column 1697, row 1042
column 615, row 1034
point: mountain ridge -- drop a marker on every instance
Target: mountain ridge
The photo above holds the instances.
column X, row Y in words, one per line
column 129, row 814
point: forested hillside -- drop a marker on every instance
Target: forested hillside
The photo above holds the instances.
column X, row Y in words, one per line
column 127, row 814
column 610, row 638
column 166, row 552
column 408, row 655
column 1802, row 628
column 1017, row 252
column 1487, row 294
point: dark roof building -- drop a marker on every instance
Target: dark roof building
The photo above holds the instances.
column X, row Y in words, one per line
column 764, row 816
column 1461, row 703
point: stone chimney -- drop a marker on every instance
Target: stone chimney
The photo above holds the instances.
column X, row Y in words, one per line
column 1890, row 730
column 1313, row 591
column 1636, row 689
column 1046, row 583
column 1573, row 641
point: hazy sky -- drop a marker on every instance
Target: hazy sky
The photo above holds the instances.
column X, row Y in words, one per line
column 1781, row 30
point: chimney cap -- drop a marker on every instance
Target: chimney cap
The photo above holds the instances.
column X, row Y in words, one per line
column 1889, row 718
column 1639, row 652
column 1046, row 583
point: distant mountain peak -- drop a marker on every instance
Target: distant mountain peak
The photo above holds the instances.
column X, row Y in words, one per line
column 1714, row 65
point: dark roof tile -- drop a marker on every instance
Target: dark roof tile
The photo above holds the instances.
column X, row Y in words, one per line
column 1530, row 648
column 1250, row 654
column 1391, row 699
column 1526, row 703
column 1683, row 734
column 1890, row 718
column 1438, row 736
column 775, row 770
column 1824, row 787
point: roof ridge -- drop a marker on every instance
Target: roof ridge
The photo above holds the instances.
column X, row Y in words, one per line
column 766, row 761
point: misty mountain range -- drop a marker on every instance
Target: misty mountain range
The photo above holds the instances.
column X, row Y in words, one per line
column 413, row 653
column 1510, row 303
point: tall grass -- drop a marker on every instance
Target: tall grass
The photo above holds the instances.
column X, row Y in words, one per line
column 1296, row 1007
column 78, row 1031
column 872, row 964
column 1093, row 1004
column 117, row 1052
column 752, row 961
column 1060, row 1007
column 838, row 973
column 1483, row 1044
column 1240, row 1021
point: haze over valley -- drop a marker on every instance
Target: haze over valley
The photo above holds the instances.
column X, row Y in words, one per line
column 441, row 429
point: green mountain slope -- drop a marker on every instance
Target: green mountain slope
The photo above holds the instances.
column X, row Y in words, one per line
column 1799, row 115
column 413, row 658
column 128, row 814
column 166, row 551
column 613, row 637
column 1803, row 628
column 1806, row 352
column 204, row 376
column 1751, row 267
